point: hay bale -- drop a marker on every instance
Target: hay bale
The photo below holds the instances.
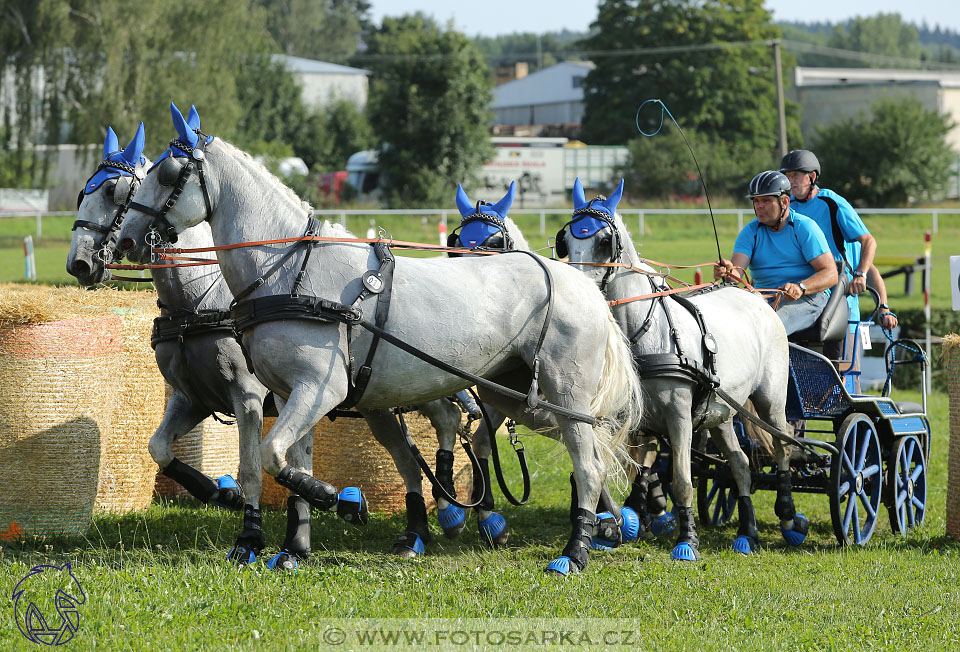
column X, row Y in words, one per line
column 345, row 453
column 57, row 390
column 211, row 447
column 951, row 355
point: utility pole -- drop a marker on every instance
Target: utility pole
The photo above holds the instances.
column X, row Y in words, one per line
column 539, row 56
column 781, row 111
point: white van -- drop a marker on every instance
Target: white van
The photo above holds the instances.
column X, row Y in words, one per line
column 363, row 173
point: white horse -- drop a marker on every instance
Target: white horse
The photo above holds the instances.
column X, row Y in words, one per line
column 545, row 338
column 742, row 346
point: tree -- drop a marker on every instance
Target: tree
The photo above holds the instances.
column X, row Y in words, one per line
column 727, row 92
column 428, row 107
column 896, row 155
column 328, row 30
column 883, row 34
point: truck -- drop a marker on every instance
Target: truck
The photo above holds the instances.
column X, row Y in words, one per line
column 544, row 169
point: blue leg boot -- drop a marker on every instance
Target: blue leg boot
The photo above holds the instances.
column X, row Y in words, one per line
column 250, row 541
column 687, row 547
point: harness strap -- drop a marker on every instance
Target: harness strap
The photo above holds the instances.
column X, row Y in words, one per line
column 312, row 223
column 384, row 294
column 167, row 328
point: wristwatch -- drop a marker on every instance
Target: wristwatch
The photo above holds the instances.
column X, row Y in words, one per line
column 803, row 288
column 884, row 306
column 859, row 274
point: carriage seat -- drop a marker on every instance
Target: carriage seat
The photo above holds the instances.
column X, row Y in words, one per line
column 831, row 325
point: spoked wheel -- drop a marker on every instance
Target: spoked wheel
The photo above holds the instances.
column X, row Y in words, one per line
column 856, row 481
column 908, row 484
column 716, row 500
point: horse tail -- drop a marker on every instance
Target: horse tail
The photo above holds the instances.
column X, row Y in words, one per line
column 617, row 404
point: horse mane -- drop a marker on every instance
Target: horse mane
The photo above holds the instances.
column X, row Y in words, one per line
column 277, row 184
column 626, row 240
column 519, row 242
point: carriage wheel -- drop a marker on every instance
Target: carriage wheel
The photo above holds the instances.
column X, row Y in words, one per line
column 908, row 479
column 716, row 500
column 856, row 480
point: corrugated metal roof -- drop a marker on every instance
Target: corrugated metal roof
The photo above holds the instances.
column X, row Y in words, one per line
column 548, row 86
column 313, row 67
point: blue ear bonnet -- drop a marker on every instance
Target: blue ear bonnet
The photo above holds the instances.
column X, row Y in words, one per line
column 587, row 226
column 117, row 162
column 189, row 134
column 109, row 172
column 475, row 232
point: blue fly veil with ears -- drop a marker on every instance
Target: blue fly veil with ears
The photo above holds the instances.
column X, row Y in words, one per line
column 167, row 166
column 482, row 222
column 589, row 218
column 124, row 165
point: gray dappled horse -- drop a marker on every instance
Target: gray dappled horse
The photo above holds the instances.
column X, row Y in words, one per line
column 539, row 328
column 681, row 346
column 208, row 372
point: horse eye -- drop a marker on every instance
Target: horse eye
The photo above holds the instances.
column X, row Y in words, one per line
column 494, row 242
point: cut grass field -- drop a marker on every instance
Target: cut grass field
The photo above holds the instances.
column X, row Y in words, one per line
column 158, row 580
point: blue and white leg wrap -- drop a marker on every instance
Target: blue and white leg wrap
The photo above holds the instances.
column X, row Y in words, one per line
column 452, row 520
column 797, row 535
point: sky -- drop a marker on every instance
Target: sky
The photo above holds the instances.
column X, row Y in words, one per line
column 493, row 17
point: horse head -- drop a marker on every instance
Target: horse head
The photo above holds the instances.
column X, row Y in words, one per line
column 594, row 234
column 176, row 194
column 485, row 226
column 102, row 205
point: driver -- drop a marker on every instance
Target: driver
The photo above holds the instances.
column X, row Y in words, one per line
column 785, row 250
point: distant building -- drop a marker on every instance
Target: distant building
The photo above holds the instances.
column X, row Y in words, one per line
column 831, row 95
column 546, row 103
column 324, row 83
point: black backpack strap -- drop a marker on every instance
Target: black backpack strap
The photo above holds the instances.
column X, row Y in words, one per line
column 837, row 234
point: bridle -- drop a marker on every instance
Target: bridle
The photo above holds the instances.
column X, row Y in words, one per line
column 506, row 242
column 172, row 173
column 124, row 188
column 616, row 247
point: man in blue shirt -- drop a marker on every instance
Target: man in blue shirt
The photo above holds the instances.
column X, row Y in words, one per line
column 784, row 250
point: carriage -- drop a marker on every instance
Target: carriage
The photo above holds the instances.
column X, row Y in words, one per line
column 878, row 454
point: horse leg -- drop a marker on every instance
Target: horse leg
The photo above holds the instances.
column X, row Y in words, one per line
column 680, row 429
column 305, row 406
column 383, row 424
column 794, row 526
column 248, row 407
column 610, row 518
column 491, row 525
column 646, row 503
column 179, row 418
column 748, row 538
column 444, row 416
column 296, row 541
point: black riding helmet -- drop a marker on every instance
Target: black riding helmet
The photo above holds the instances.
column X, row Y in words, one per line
column 768, row 183
column 800, row 160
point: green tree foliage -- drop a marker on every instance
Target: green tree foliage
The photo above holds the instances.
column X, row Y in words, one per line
column 727, row 93
column 884, row 34
column 896, row 155
column 326, row 30
column 535, row 49
column 428, row 105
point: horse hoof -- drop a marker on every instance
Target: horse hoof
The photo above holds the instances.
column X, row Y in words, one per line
column 666, row 523
column 607, row 534
column 283, row 561
column 561, row 567
column 494, row 530
column 630, row 530
column 684, row 552
column 229, row 495
column 798, row 534
column 452, row 519
column 409, row 545
column 352, row 506
column 744, row 545
column 242, row 555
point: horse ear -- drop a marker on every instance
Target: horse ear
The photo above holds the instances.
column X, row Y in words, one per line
column 193, row 118
column 110, row 144
column 578, row 198
column 614, row 199
column 463, row 202
column 186, row 134
column 133, row 151
column 502, row 207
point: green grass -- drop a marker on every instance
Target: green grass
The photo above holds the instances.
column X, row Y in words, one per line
column 157, row 580
column 675, row 239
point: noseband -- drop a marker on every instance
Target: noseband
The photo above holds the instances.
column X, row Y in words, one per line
column 160, row 228
column 125, row 188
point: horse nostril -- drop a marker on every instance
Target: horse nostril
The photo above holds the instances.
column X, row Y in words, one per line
column 81, row 267
column 126, row 244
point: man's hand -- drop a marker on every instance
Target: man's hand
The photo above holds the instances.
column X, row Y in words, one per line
column 889, row 320
column 791, row 291
column 724, row 269
column 858, row 285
